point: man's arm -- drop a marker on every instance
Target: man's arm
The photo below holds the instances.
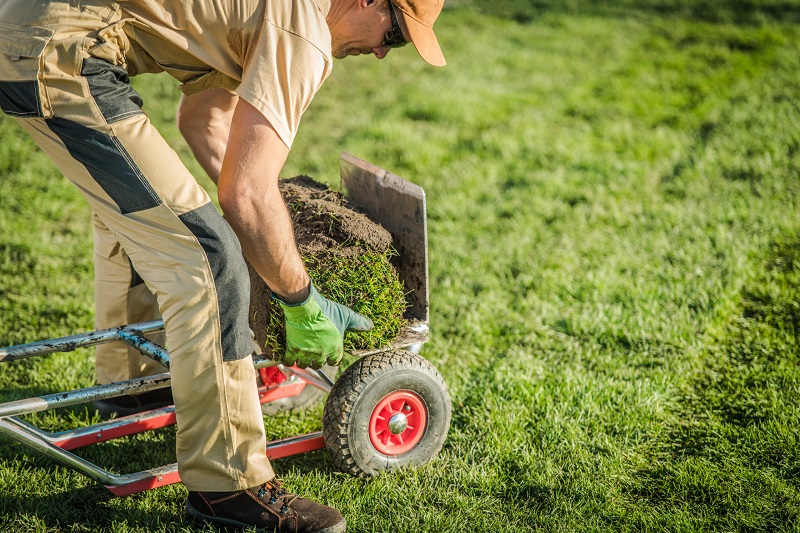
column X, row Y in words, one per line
column 245, row 168
column 253, row 205
column 243, row 155
column 204, row 120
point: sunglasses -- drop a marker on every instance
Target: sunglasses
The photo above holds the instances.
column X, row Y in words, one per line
column 394, row 37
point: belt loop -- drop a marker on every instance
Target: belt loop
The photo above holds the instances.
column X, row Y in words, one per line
column 106, row 10
column 113, row 10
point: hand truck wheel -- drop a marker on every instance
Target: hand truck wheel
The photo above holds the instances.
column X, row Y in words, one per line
column 387, row 410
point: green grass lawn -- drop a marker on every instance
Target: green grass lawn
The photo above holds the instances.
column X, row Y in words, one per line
column 613, row 197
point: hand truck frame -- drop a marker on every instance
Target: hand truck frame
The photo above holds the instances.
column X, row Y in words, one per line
column 404, row 404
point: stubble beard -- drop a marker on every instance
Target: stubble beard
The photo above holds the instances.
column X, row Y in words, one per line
column 338, row 48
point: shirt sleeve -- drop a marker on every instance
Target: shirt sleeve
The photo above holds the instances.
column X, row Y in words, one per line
column 281, row 74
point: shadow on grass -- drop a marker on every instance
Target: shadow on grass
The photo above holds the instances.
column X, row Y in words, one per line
column 59, row 506
column 85, row 509
column 731, row 449
column 305, row 463
column 55, row 503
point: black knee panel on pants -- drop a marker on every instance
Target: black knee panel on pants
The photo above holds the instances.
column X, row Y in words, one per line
column 230, row 277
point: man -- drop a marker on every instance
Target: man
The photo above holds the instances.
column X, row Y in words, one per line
column 249, row 69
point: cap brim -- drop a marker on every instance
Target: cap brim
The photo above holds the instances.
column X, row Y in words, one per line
column 425, row 41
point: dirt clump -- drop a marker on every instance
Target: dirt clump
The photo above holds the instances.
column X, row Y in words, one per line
column 324, row 219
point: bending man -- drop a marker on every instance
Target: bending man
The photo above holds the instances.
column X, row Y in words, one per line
column 249, row 69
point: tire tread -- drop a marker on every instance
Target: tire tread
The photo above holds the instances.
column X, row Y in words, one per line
column 347, row 389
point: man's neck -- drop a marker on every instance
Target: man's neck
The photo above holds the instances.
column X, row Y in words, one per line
column 337, row 11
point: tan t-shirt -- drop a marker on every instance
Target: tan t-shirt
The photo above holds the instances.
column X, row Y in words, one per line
column 273, row 53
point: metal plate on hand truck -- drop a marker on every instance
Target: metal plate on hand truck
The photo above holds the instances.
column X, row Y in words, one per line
column 399, row 206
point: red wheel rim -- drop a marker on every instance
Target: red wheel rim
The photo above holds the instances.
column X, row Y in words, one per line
column 398, row 423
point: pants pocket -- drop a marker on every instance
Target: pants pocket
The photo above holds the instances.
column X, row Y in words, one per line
column 21, row 49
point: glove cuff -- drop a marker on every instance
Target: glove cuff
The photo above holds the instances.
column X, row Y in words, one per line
column 307, row 307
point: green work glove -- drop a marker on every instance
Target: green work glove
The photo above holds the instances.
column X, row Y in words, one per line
column 315, row 330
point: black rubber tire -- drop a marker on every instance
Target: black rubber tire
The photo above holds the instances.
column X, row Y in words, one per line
column 308, row 397
column 356, row 394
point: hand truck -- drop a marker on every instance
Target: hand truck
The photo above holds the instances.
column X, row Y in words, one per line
column 388, row 409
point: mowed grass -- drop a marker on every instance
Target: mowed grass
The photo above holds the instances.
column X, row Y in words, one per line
column 615, row 276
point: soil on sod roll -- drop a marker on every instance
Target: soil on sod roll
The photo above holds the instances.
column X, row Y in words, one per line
column 348, row 258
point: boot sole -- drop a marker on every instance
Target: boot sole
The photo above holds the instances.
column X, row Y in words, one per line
column 226, row 523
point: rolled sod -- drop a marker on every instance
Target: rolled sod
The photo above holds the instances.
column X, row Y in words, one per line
column 349, row 259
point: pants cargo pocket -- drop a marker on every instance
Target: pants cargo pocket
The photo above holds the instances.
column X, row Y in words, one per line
column 21, row 49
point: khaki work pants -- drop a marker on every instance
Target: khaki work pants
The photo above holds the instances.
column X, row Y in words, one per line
column 63, row 77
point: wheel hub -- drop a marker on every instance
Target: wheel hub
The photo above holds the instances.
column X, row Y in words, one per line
column 398, row 423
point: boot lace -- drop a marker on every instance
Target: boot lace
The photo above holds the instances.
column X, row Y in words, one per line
column 274, row 489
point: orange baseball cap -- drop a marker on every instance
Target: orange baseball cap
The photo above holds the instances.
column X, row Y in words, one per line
column 419, row 16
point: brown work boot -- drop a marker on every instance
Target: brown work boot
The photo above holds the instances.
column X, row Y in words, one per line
column 268, row 506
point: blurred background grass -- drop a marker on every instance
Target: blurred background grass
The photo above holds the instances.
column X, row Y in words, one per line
column 612, row 194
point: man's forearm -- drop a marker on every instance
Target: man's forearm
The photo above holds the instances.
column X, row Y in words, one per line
column 264, row 227
column 249, row 196
column 241, row 152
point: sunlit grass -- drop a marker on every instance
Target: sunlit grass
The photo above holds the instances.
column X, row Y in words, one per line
column 613, row 220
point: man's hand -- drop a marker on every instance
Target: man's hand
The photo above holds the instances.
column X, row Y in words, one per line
column 315, row 330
